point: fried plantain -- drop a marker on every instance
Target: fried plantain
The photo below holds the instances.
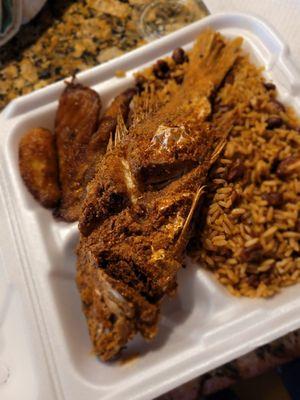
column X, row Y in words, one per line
column 38, row 166
column 76, row 120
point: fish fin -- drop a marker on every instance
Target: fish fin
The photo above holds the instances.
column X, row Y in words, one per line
column 110, row 144
column 183, row 237
column 137, row 110
column 218, row 150
column 211, row 58
column 227, row 125
column 121, row 130
column 144, row 104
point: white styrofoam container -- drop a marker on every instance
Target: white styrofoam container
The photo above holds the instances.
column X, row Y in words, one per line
column 45, row 351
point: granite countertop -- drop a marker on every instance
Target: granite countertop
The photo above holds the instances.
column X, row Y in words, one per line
column 65, row 38
column 70, row 36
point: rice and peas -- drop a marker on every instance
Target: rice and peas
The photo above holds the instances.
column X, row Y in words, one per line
column 250, row 240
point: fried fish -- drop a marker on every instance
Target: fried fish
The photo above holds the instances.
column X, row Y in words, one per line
column 139, row 208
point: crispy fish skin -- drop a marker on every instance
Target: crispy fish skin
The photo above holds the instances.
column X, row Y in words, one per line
column 114, row 312
column 116, row 193
column 38, row 166
column 106, row 196
column 76, row 120
column 173, row 135
column 141, row 247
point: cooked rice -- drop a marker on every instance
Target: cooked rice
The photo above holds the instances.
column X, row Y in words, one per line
column 250, row 246
column 238, row 219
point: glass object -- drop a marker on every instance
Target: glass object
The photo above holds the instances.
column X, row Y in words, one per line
column 161, row 17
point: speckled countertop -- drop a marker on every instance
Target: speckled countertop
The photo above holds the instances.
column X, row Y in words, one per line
column 66, row 37
column 70, row 36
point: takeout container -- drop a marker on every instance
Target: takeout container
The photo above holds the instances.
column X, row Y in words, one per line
column 45, row 351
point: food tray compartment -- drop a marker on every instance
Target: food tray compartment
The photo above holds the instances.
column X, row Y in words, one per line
column 202, row 328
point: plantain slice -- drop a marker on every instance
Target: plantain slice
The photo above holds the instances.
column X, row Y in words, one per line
column 76, row 120
column 38, row 166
